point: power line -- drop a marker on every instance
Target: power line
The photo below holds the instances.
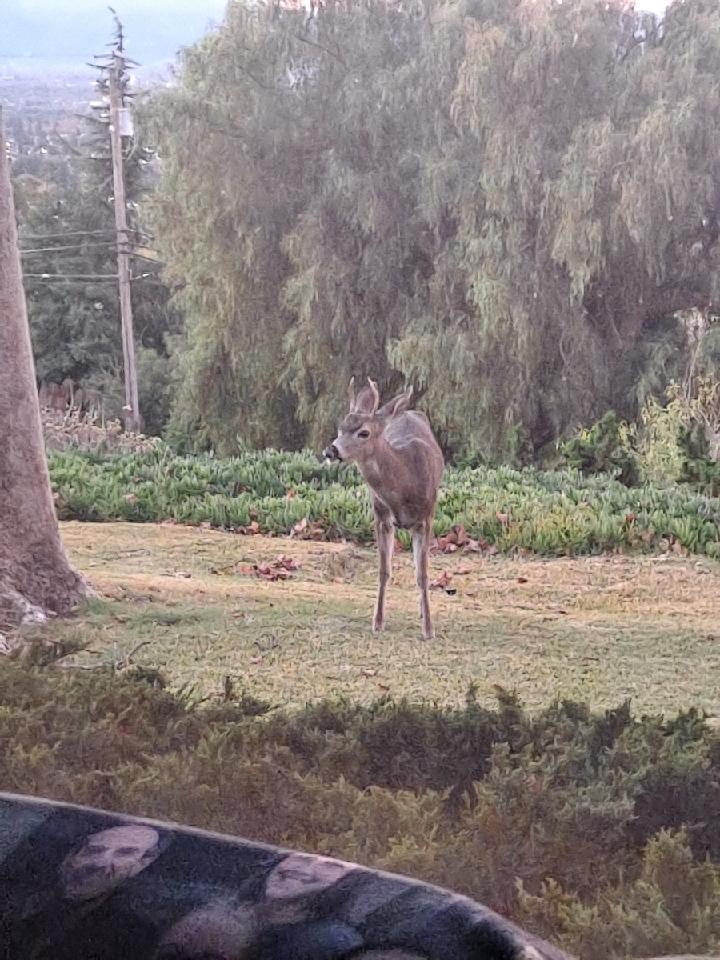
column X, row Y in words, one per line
column 70, row 276
column 69, row 233
column 73, row 246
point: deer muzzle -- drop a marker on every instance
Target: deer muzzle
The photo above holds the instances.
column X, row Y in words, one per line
column 331, row 453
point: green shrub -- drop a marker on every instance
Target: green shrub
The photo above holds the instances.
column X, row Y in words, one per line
column 558, row 819
column 603, row 448
column 672, row 906
column 659, row 450
column 697, row 467
column 673, row 444
column 548, row 513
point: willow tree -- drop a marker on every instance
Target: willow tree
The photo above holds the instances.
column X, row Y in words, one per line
column 503, row 201
column 237, row 167
column 578, row 212
column 35, row 576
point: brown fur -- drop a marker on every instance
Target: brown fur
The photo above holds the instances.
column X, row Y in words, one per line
column 400, row 460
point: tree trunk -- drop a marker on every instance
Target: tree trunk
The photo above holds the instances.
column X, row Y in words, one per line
column 36, row 579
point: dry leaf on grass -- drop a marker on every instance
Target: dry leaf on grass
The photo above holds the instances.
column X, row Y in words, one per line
column 307, row 530
column 441, row 582
column 252, row 529
column 458, row 539
column 281, row 568
column 269, row 572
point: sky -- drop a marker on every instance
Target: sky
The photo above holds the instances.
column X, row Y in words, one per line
column 73, row 30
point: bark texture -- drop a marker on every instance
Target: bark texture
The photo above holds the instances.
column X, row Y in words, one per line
column 36, row 578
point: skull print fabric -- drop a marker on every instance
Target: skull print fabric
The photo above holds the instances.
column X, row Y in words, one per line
column 80, row 884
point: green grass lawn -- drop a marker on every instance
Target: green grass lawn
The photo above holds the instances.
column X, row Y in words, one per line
column 596, row 629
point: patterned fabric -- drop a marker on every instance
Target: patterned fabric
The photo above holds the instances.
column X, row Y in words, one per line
column 81, row 884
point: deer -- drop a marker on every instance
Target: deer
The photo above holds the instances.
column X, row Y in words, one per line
column 401, row 462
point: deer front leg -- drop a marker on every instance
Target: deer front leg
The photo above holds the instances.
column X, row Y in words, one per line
column 385, row 535
column 421, row 545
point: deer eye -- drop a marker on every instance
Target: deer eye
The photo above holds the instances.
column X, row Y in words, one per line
column 363, row 434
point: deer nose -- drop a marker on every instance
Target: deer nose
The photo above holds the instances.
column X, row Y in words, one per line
column 331, row 453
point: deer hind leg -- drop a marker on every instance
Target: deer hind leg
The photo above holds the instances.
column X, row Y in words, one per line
column 385, row 535
column 421, row 545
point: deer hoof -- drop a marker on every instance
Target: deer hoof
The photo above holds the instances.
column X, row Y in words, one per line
column 377, row 627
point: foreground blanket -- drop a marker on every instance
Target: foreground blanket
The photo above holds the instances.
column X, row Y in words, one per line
column 81, row 884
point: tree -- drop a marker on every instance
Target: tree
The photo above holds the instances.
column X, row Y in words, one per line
column 506, row 203
column 36, row 578
column 67, row 230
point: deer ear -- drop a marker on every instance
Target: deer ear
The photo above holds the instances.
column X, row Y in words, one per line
column 367, row 400
column 397, row 405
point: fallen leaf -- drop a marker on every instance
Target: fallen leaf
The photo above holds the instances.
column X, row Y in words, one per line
column 461, row 537
column 442, row 581
column 522, row 579
column 462, row 571
column 251, row 529
column 369, row 673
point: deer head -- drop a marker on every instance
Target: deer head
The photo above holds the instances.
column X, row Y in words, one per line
column 366, row 421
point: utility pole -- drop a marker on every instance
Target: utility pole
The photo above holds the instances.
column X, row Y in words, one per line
column 118, row 116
